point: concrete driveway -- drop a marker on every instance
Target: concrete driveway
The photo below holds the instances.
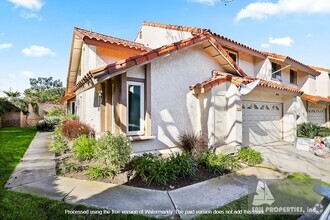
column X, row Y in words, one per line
column 288, row 159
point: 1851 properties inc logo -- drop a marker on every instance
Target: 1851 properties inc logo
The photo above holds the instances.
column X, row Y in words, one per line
column 264, row 196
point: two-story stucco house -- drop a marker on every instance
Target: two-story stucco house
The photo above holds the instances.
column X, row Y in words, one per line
column 173, row 79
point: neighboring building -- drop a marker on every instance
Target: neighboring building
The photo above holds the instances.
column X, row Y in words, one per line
column 174, row 79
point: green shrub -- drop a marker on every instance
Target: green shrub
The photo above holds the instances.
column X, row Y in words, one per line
column 55, row 112
column 307, row 130
column 192, row 143
column 217, row 164
column 98, row 172
column 70, row 168
column 323, row 132
column 184, row 164
column 69, row 117
column 83, row 148
column 59, row 145
column 249, row 156
column 310, row 130
column 113, row 150
column 152, row 168
column 48, row 123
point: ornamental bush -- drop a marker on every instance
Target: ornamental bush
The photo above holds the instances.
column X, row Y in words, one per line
column 83, row 147
column 72, row 129
column 249, row 156
column 155, row 169
column 113, row 150
column 192, row 143
column 217, row 163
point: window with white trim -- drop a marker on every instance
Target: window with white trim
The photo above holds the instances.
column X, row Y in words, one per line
column 135, row 108
column 276, row 71
column 73, row 108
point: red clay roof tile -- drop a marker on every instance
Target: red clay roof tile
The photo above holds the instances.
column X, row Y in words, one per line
column 315, row 99
column 283, row 58
column 147, row 56
column 108, row 39
column 220, row 77
column 195, row 30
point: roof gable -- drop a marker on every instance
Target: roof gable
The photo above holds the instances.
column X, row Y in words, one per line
column 90, row 36
column 293, row 62
column 114, row 69
column 221, row 39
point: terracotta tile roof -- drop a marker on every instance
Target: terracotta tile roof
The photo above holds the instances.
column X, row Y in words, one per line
column 283, row 58
column 210, row 83
column 83, row 34
column 148, row 56
column 67, row 97
column 315, row 99
column 320, row 69
column 220, row 77
column 195, row 30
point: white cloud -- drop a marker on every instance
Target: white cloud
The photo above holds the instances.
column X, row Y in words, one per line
column 263, row 9
column 12, row 76
column 265, row 45
column 37, row 51
column 205, row 2
column 29, row 4
column 27, row 74
column 28, row 15
column 282, row 41
column 5, row 45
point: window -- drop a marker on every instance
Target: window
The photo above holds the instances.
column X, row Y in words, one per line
column 276, row 73
column 135, row 108
column 293, row 77
column 73, row 108
column 233, row 55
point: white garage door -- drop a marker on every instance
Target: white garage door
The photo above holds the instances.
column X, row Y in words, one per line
column 316, row 116
column 261, row 122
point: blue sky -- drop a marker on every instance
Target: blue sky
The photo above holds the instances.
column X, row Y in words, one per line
column 35, row 35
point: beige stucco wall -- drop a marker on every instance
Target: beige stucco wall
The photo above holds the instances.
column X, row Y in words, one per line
column 307, row 84
column 174, row 108
column 323, row 84
column 155, row 37
column 87, row 102
column 246, row 62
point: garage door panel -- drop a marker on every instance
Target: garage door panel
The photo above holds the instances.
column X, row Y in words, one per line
column 316, row 116
column 261, row 122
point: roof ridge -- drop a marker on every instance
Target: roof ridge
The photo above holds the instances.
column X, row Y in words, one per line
column 276, row 55
column 197, row 30
column 83, row 33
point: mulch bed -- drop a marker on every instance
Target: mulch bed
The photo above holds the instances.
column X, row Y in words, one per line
column 126, row 177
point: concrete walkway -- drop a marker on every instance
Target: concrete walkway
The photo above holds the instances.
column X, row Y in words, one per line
column 37, row 163
column 286, row 158
column 35, row 174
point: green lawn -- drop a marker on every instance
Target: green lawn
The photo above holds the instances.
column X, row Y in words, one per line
column 297, row 187
column 13, row 205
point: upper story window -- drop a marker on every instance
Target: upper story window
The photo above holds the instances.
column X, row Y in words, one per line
column 233, row 55
column 293, row 77
column 135, row 108
column 276, row 73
